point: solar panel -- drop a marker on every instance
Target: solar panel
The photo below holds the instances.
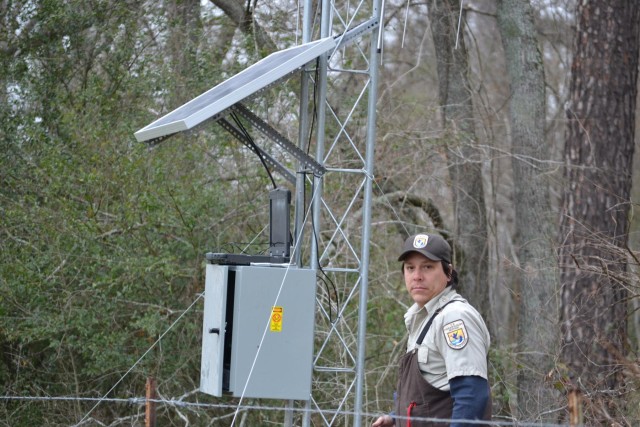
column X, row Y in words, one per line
column 235, row 89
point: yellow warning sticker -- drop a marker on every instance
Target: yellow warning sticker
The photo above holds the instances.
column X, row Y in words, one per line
column 276, row 319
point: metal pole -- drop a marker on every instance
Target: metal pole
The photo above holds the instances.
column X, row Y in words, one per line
column 303, row 135
column 366, row 218
column 288, row 413
column 321, row 119
column 575, row 407
column 150, row 406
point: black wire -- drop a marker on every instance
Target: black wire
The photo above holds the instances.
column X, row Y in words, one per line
column 326, row 277
column 236, row 119
column 324, row 281
column 315, row 104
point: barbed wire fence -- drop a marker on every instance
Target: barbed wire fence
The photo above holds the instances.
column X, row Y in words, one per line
column 198, row 406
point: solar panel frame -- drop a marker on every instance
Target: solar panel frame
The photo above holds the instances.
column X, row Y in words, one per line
column 233, row 90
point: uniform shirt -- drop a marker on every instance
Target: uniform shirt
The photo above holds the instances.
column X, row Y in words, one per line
column 457, row 343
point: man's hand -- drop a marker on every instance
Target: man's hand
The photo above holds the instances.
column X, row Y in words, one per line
column 383, row 421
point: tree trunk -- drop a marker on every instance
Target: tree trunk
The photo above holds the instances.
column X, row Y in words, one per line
column 594, row 234
column 537, row 274
column 182, row 45
column 465, row 160
column 243, row 18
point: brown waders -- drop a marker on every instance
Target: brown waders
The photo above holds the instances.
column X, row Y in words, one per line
column 416, row 398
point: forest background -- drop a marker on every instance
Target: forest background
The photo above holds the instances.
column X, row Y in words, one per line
column 514, row 140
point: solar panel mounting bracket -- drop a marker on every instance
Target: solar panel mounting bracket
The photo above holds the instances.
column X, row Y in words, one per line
column 357, row 32
column 229, row 127
column 279, row 139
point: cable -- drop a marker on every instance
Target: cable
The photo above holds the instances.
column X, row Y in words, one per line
column 459, row 24
column 391, row 207
column 315, row 239
column 406, row 17
column 236, row 119
column 141, row 357
column 325, row 277
column 326, row 286
column 315, row 104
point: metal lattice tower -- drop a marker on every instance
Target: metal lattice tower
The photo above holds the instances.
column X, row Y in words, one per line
column 333, row 187
column 345, row 103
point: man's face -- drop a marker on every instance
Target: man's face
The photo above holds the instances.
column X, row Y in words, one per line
column 423, row 277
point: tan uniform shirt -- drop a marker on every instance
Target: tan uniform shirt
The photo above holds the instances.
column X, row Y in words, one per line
column 457, row 343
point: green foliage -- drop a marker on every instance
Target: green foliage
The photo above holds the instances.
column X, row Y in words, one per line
column 503, row 385
column 102, row 240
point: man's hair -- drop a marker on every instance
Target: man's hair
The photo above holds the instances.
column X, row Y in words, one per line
column 449, row 271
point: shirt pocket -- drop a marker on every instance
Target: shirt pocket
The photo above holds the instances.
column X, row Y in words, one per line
column 423, row 354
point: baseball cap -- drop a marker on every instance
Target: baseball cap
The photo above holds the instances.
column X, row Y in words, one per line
column 433, row 246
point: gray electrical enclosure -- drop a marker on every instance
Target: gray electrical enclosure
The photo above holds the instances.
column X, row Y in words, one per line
column 257, row 333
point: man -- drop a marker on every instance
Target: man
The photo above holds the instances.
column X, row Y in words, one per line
column 443, row 375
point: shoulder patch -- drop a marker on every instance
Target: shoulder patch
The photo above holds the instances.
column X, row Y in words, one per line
column 455, row 334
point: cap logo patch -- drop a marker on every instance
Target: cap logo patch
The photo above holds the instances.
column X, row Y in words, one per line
column 455, row 334
column 420, row 241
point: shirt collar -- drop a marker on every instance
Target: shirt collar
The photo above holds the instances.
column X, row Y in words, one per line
column 417, row 313
column 439, row 300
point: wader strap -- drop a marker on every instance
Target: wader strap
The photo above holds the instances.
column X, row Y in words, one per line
column 428, row 325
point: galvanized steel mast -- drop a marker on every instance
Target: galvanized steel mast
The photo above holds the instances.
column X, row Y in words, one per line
column 337, row 20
